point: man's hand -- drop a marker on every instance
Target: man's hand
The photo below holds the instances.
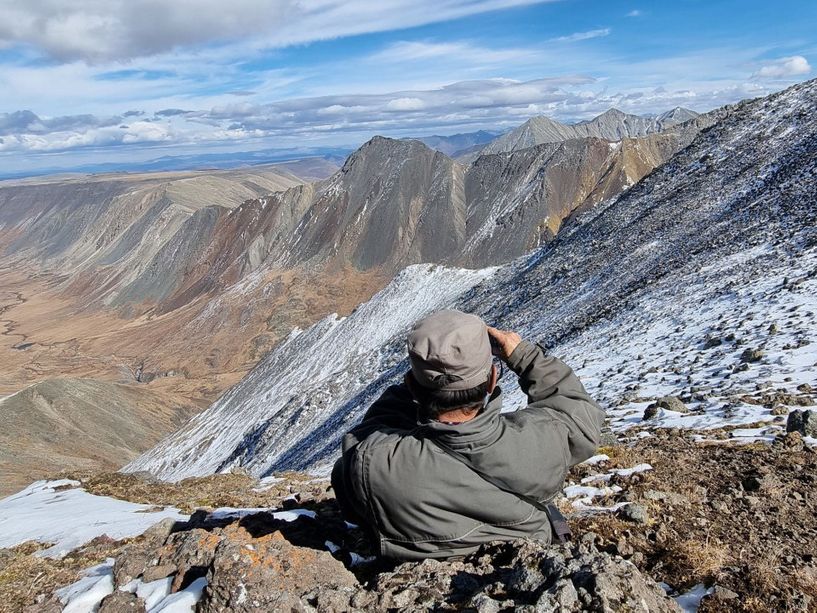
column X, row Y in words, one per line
column 503, row 342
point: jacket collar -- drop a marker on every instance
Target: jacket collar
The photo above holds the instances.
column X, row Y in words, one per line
column 482, row 428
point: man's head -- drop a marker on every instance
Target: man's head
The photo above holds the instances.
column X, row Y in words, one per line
column 451, row 364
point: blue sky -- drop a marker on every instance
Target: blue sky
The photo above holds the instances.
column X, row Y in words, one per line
column 89, row 81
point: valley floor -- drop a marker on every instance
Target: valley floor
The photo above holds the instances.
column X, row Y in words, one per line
column 185, row 358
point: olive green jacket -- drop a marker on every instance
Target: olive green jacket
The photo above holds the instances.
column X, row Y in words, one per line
column 420, row 502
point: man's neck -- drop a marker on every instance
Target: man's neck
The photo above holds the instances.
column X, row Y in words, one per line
column 457, row 416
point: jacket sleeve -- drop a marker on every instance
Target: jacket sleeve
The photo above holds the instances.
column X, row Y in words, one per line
column 394, row 410
column 552, row 387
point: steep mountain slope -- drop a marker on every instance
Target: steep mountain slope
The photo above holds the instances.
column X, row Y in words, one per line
column 71, row 246
column 81, row 423
column 550, row 182
column 612, row 125
column 165, row 281
column 720, row 241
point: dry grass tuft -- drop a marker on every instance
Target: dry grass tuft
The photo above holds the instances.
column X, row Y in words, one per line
column 702, row 560
column 763, row 574
column 23, row 575
column 621, row 456
column 805, row 580
column 752, row 604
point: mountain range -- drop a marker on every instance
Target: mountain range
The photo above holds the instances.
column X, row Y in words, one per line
column 675, row 271
column 612, row 125
column 719, row 242
column 457, row 144
column 181, row 282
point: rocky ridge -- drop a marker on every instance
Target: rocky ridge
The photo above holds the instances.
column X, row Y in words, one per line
column 208, row 285
column 167, row 282
column 612, row 125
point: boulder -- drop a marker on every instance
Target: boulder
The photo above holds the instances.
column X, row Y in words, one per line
column 669, row 403
column 634, row 513
column 804, row 422
column 122, row 602
column 751, row 355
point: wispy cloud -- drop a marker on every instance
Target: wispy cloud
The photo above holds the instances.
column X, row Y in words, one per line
column 100, row 31
column 89, row 77
column 784, row 67
column 582, row 36
column 413, row 51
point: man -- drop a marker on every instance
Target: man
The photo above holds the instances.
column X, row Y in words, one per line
column 434, row 470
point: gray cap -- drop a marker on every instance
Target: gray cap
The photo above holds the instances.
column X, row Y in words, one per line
column 450, row 350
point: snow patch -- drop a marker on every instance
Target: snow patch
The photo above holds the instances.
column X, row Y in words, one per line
column 69, row 518
column 85, row 595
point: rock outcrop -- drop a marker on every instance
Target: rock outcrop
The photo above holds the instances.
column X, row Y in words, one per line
column 256, row 562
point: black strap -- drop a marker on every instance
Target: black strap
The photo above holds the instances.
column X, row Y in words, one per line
column 558, row 522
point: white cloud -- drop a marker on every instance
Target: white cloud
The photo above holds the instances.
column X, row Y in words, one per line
column 101, row 30
column 784, row 67
column 635, row 13
column 352, row 118
column 582, row 36
column 405, row 104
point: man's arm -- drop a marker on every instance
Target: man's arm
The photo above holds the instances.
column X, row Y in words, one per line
column 552, row 386
column 394, row 410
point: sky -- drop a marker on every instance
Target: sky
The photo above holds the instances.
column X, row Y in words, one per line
column 94, row 81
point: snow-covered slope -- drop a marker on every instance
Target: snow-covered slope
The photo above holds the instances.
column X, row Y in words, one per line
column 721, row 241
column 308, row 373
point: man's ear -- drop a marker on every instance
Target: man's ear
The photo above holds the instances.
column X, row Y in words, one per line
column 492, row 378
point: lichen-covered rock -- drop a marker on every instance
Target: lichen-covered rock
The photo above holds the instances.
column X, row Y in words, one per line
column 191, row 553
column 140, row 553
column 270, row 574
column 255, row 562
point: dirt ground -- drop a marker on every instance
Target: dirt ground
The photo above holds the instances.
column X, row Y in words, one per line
column 739, row 516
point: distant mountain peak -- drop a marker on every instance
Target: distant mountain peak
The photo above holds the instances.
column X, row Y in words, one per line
column 613, row 112
column 678, row 115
